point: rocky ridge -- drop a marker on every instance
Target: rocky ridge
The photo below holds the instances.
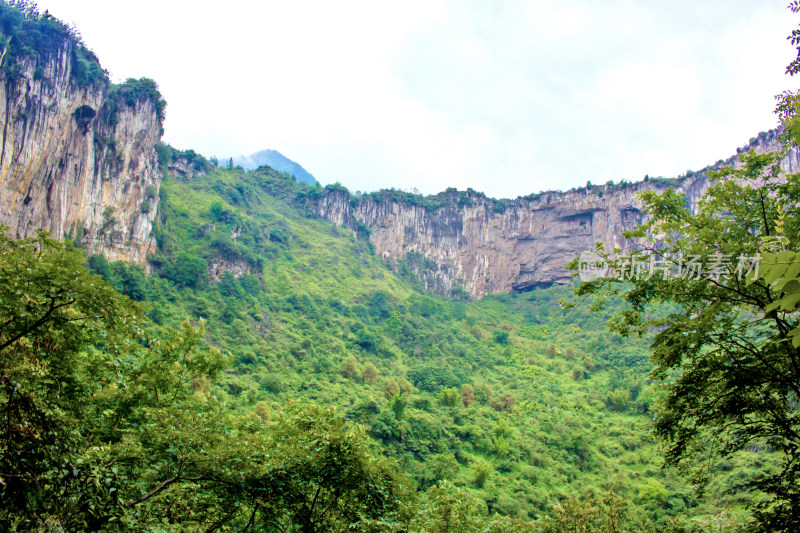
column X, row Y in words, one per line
column 485, row 245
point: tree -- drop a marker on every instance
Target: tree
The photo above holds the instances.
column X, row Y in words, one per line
column 390, row 388
column 481, row 470
column 405, row 386
column 52, row 310
column 398, row 405
column 85, row 389
column 350, row 366
column 188, row 271
column 467, row 395
column 723, row 351
column 449, row 397
column 369, row 374
column 317, row 472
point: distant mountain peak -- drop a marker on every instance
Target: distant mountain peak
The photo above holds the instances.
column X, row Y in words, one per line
column 277, row 161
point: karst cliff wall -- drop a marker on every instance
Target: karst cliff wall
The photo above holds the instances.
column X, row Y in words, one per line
column 77, row 161
column 488, row 246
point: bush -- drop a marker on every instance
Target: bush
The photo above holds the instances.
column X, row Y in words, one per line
column 449, row 397
column 433, row 377
column 481, row 470
column 618, row 400
column 369, row 374
column 504, row 402
column 501, row 337
column 272, row 383
column 467, row 395
column 350, row 367
column 390, row 388
column 188, row 271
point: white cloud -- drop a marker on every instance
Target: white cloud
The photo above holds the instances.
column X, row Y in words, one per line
column 505, row 97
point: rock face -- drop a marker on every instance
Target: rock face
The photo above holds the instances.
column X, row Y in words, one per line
column 184, row 169
column 185, row 165
column 76, row 162
column 485, row 245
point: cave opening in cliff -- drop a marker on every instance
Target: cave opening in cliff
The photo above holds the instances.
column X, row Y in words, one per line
column 83, row 118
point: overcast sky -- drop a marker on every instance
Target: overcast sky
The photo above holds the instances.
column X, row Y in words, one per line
column 508, row 98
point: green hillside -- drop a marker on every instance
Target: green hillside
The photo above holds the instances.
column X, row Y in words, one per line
column 519, row 399
column 267, row 371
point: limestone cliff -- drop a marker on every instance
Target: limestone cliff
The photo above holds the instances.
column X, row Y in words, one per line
column 184, row 165
column 78, row 160
column 486, row 245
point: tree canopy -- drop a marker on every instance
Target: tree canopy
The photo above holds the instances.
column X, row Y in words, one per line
column 723, row 350
column 107, row 421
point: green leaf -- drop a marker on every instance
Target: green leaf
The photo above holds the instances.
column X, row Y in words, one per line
column 793, row 271
column 789, row 302
column 774, row 272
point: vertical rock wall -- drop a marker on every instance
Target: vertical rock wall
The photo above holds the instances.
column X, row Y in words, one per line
column 73, row 166
column 522, row 244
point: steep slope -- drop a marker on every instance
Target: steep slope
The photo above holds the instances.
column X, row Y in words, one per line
column 513, row 397
column 276, row 160
column 485, row 245
column 78, row 155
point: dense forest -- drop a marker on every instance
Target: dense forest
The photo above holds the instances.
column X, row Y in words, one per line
column 268, row 371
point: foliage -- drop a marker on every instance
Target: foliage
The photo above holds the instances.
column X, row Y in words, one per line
column 449, row 397
column 724, row 350
column 324, row 300
column 350, row 366
column 167, row 154
column 187, row 271
column 104, row 422
column 198, row 445
column 369, row 373
column 29, row 35
column 73, row 377
column 131, row 93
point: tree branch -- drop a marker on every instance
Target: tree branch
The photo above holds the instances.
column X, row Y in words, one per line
column 159, row 488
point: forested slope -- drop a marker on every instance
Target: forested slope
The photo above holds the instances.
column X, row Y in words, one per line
column 521, row 400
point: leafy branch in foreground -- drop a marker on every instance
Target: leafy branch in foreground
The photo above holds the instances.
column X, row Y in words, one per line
column 723, row 351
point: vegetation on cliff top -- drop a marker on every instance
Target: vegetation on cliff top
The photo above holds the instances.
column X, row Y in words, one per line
column 28, row 34
column 132, row 92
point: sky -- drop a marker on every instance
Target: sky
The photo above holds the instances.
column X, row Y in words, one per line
column 506, row 97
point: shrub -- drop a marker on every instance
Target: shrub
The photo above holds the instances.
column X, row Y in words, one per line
column 501, row 337
column 618, row 400
column 433, row 377
column 262, row 411
column 350, row 367
column 503, row 402
column 187, row 271
column 405, row 386
column 467, row 395
column 398, row 405
column 481, row 470
column 369, row 374
column 390, row 388
column 449, row 397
